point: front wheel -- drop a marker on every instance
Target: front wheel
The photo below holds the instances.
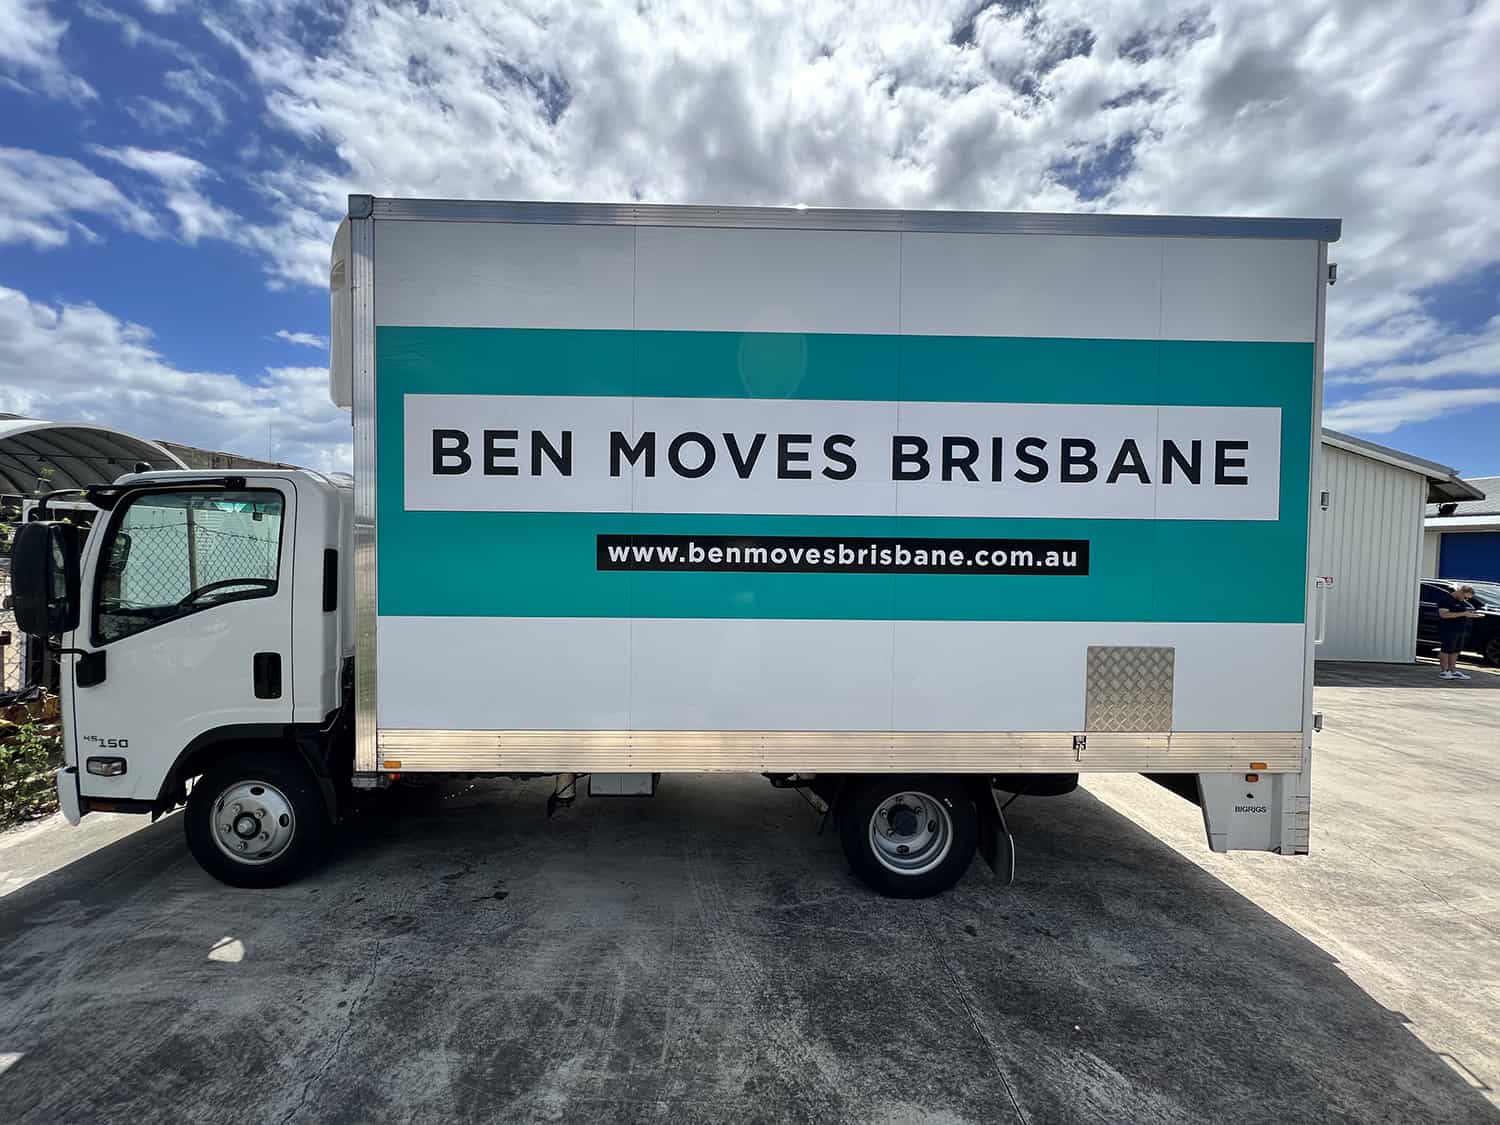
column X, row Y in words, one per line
column 909, row 837
column 1492, row 650
column 257, row 820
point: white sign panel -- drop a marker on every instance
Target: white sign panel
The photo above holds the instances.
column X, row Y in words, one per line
column 538, row 453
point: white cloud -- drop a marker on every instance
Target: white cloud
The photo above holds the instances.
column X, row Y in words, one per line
column 132, row 30
column 1449, row 356
column 179, row 176
column 52, row 356
column 169, row 167
column 307, row 203
column 159, row 116
column 202, row 89
column 306, row 339
column 192, row 98
column 1346, row 109
column 44, row 200
column 29, row 50
column 1384, row 412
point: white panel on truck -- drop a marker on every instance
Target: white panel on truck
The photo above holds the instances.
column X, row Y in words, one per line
column 951, row 286
column 504, row 275
column 689, row 279
column 1240, row 289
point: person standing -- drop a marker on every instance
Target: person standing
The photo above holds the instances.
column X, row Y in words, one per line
column 1454, row 613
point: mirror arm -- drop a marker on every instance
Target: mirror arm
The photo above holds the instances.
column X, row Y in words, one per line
column 47, row 497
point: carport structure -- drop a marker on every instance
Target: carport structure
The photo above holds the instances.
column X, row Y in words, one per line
column 46, row 455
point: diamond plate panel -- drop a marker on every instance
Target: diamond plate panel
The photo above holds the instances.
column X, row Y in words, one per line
column 1129, row 688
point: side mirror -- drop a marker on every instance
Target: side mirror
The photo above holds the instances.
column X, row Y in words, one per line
column 44, row 577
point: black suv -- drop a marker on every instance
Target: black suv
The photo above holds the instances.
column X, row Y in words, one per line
column 1484, row 631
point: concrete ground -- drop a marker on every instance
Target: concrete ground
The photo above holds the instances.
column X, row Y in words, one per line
column 706, row 957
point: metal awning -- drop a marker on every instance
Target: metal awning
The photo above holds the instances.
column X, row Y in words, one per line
column 48, row 455
column 1451, row 491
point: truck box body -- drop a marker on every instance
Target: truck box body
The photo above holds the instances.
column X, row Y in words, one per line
column 648, row 489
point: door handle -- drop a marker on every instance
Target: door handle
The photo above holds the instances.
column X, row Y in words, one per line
column 265, row 675
column 1322, row 610
column 89, row 670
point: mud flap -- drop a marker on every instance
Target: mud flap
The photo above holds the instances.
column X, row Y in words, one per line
column 67, row 795
column 1256, row 816
column 995, row 842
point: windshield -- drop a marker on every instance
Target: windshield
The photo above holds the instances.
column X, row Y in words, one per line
column 175, row 553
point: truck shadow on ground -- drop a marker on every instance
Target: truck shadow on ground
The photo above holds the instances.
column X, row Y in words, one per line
column 703, row 956
column 1422, row 674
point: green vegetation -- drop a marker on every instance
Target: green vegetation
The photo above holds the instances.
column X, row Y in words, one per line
column 30, row 750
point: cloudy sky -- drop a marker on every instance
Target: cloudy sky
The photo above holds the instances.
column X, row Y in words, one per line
column 171, row 174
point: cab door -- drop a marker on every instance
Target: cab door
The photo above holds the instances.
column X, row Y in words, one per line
column 186, row 631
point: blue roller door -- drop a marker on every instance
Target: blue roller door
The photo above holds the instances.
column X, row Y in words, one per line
column 1473, row 554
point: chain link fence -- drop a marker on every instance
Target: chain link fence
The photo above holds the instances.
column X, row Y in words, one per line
column 12, row 643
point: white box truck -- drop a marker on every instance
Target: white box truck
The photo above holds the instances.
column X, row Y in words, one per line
column 901, row 508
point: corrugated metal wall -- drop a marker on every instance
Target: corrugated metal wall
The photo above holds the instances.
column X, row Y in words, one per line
column 1431, row 540
column 1371, row 542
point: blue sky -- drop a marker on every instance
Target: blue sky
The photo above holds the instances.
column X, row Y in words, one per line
column 170, row 173
column 207, row 300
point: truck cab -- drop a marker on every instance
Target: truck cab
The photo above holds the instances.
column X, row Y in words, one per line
column 211, row 637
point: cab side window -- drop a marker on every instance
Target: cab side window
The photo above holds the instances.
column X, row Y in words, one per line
column 172, row 554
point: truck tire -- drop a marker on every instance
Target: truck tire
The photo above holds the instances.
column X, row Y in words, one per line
column 257, row 819
column 908, row 837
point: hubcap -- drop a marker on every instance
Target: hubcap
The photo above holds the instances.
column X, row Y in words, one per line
column 253, row 822
column 911, row 833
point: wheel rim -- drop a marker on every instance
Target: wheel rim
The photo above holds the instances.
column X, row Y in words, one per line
column 911, row 833
column 253, row 822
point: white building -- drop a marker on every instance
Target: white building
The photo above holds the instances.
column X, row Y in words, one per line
column 1370, row 542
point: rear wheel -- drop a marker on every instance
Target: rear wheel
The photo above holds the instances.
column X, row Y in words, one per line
column 257, row 820
column 909, row 837
column 1492, row 650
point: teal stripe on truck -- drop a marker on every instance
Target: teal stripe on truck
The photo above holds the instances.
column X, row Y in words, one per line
column 550, row 361
column 529, row 564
